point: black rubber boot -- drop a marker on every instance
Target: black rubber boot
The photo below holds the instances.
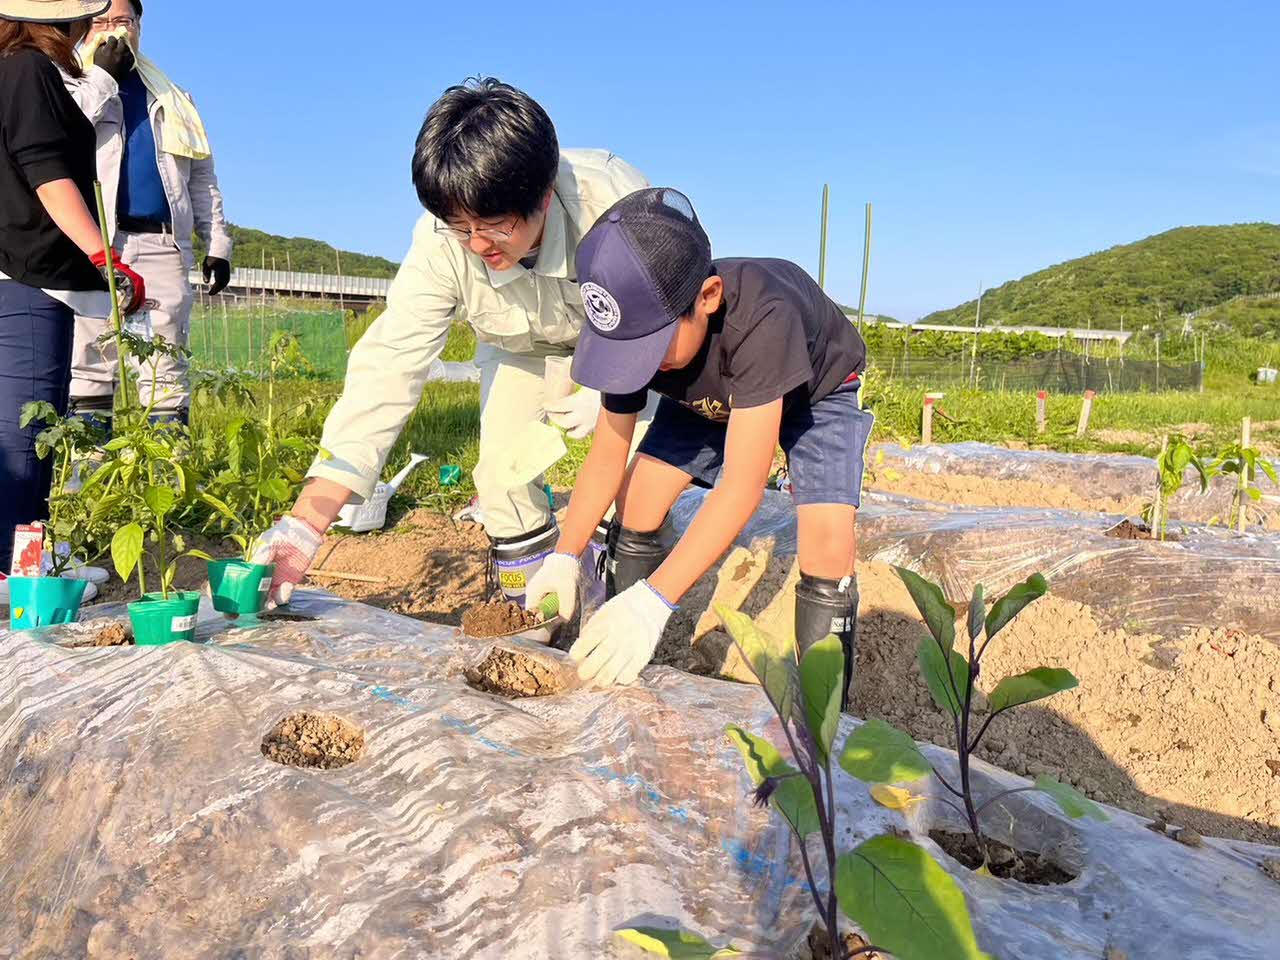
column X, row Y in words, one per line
column 825, row 607
column 633, row 556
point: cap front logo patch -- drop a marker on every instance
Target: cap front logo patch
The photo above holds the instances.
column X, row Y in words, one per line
column 602, row 309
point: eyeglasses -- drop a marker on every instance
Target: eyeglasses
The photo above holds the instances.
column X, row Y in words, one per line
column 113, row 22
column 464, row 235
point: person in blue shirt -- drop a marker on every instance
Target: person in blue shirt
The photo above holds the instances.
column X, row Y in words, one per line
column 155, row 200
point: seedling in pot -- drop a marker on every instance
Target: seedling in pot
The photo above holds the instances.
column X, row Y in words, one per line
column 890, row 887
column 1176, row 454
column 878, row 753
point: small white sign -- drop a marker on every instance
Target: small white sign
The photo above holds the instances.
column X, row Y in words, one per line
column 182, row 624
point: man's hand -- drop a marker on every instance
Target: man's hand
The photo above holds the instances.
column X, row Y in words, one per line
column 220, row 271
column 115, row 57
column 130, row 288
column 576, row 414
column 559, row 575
column 619, row 641
column 291, row 545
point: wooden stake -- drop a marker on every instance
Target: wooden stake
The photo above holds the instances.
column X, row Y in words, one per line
column 926, row 425
column 1242, row 497
column 1086, row 411
column 1042, row 399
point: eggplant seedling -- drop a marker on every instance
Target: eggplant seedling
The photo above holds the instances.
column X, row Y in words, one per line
column 878, row 753
column 1176, row 454
column 890, row 887
column 1243, row 463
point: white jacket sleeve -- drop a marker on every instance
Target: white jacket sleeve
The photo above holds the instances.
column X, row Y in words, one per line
column 206, row 209
column 93, row 91
column 388, row 368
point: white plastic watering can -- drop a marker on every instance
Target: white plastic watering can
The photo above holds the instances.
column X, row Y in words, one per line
column 372, row 514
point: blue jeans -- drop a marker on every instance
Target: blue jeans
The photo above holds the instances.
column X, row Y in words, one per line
column 35, row 364
column 825, row 444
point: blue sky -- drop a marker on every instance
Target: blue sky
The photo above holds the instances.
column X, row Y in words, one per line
column 993, row 138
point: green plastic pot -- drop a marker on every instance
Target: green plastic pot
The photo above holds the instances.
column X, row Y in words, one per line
column 41, row 601
column 157, row 621
column 239, row 588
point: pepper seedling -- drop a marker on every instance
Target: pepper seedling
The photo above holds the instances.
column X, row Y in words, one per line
column 1176, row 454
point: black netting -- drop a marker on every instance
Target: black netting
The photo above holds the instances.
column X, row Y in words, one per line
column 1057, row 371
column 666, row 234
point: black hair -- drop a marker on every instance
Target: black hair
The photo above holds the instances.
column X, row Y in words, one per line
column 137, row 7
column 485, row 148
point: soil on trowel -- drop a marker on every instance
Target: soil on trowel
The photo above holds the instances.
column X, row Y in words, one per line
column 1004, row 861
column 315, row 740
column 498, row 619
column 99, row 633
column 515, row 675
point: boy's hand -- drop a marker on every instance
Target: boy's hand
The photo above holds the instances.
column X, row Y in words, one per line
column 576, row 414
column 559, row 575
column 619, row 641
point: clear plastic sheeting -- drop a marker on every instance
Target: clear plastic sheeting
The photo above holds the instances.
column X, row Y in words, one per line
column 1210, row 577
column 1100, row 476
column 138, row 816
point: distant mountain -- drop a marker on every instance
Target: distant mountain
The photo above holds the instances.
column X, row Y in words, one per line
column 253, row 248
column 1152, row 282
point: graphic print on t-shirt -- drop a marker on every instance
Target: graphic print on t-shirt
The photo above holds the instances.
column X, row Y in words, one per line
column 711, row 409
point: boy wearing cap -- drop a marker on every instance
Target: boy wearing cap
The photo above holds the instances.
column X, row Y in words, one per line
column 746, row 354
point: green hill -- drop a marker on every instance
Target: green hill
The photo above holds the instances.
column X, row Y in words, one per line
column 253, row 247
column 1152, row 282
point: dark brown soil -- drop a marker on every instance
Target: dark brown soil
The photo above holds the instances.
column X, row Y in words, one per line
column 820, row 946
column 515, row 675
column 1006, row 863
column 316, row 740
column 498, row 619
column 1128, row 530
column 285, row 618
column 100, row 633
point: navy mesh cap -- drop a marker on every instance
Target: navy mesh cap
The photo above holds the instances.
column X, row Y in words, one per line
column 639, row 269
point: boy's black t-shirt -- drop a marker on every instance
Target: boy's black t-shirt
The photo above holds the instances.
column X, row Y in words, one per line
column 775, row 335
column 43, row 137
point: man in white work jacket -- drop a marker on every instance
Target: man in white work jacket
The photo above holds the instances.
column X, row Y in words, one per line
column 496, row 249
column 157, row 194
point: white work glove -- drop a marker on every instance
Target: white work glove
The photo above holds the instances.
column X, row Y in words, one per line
column 619, row 641
column 559, row 575
column 291, row 545
column 576, row 414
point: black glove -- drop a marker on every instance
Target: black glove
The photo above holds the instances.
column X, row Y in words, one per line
column 220, row 270
column 115, row 57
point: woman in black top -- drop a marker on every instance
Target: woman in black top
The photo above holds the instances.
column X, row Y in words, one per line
column 51, row 250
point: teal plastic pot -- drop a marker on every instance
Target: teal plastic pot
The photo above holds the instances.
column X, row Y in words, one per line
column 239, row 588
column 157, row 621
column 41, row 601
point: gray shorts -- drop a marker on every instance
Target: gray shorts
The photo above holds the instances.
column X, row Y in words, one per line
column 825, row 444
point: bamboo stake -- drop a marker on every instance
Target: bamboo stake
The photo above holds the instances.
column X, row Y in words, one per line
column 822, row 242
column 866, row 265
column 926, row 422
column 1242, row 494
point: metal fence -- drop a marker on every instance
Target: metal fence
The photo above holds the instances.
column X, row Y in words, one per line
column 1058, row 371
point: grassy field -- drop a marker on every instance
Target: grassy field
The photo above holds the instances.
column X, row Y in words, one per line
column 446, row 424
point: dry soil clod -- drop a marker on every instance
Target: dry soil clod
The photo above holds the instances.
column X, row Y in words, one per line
column 99, row 633
column 516, row 675
column 1271, row 868
column 316, row 740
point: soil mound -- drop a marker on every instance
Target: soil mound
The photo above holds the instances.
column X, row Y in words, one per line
column 516, row 675
column 314, row 740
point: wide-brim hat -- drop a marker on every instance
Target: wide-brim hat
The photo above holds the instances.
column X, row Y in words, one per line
column 52, row 11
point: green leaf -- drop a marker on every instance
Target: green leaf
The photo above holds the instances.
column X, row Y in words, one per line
column 906, row 904
column 977, row 610
column 1073, row 803
column 934, row 668
column 1266, row 467
column 119, row 443
column 274, row 488
column 794, row 796
column 159, row 500
column 878, row 752
column 939, row 616
column 821, row 677
column 772, row 659
column 676, row 944
column 1030, row 686
column 126, row 549
column 1013, row 603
